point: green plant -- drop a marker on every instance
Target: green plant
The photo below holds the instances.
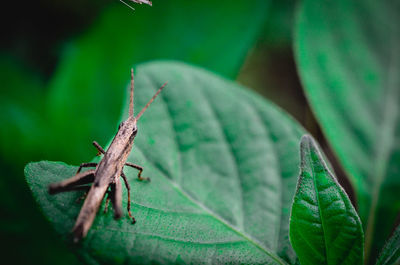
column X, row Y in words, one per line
column 222, row 188
column 223, row 161
column 349, row 71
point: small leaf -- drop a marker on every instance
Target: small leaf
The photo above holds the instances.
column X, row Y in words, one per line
column 324, row 226
column 223, row 166
column 390, row 254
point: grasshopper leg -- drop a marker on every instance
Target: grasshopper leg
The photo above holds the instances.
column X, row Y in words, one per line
column 73, row 183
column 107, row 202
column 101, row 151
column 99, row 148
column 116, row 197
column 138, row 168
column 86, row 165
column 128, row 188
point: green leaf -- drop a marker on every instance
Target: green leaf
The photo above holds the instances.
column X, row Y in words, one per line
column 223, row 166
column 92, row 74
column 390, row 254
column 348, row 56
column 324, row 226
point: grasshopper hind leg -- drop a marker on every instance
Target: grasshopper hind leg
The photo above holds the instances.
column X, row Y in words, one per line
column 73, row 183
column 116, row 197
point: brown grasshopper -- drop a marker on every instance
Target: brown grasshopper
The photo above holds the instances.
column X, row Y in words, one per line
column 107, row 173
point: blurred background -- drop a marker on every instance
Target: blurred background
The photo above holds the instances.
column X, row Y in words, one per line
column 61, row 60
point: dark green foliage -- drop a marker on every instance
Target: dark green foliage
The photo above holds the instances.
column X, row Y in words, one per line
column 58, row 115
column 348, row 55
column 224, row 163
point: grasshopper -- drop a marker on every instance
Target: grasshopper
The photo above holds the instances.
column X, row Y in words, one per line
column 106, row 175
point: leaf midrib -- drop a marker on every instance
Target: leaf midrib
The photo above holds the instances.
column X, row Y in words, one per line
column 202, row 206
column 247, row 237
column 311, row 161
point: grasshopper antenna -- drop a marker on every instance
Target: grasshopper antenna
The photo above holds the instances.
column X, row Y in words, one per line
column 126, row 4
column 148, row 2
column 131, row 99
column 150, row 101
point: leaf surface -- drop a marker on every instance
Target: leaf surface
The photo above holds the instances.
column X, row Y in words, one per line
column 324, row 226
column 348, row 56
column 223, row 166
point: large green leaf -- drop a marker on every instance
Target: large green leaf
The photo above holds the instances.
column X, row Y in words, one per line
column 348, row 56
column 223, row 164
column 390, row 254
column 324, row 226
column 90, row 78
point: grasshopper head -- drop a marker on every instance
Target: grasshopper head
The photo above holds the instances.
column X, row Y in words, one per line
column 128, row 126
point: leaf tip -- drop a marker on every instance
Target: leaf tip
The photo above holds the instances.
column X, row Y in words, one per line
column 307, row 144
column 306, row 139
column 311, row 151
column 28, row 168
